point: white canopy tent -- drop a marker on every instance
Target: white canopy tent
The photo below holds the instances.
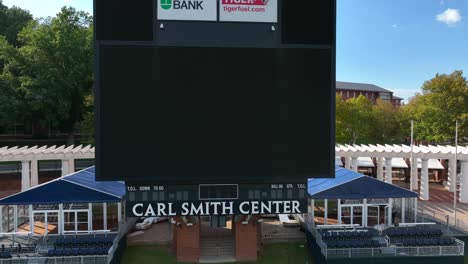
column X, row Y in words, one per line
column 399, row 163
column 366, row 162
column 434, row 164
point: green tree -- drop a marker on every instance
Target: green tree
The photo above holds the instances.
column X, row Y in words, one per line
column 444, row 99
column 52, row 72
column 12, row 21
column 354, row 120
column 387, row 123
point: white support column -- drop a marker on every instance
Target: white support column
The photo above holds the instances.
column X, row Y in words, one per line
column 339, row 211
column 424, row 190
column 414, row 174
column 1, row 219
column 325, row 214
column 464, row 182
column 415, row 210
column 390, row 211
column 388, row 170
column 403, row 212
column 90, row 217
column 31, row 220
column 15, row 220
column 25, row 179
column 65, row 169
column 119, row 212
column 312, row 212
column 452, row 175
column 34, row 173
column 354, row 164
column 380, row 169
column 104, row 206
column 71, row 166
column 364, row 214
column 60, row 219
column 348, row 161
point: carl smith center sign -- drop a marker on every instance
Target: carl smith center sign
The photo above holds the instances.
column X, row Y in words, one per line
column 151, row 209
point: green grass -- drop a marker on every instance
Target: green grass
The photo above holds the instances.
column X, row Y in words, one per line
column 281, row 253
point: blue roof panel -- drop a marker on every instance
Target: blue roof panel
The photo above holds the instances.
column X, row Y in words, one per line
column 79, row 187
column 86, row 178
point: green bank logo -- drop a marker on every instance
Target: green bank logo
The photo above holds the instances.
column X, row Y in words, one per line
column 166, row 4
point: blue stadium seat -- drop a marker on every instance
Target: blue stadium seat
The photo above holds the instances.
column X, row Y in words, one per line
column 59, row 252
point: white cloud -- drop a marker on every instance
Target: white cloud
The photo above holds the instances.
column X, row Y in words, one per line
column 450, row 17
column 67, row 1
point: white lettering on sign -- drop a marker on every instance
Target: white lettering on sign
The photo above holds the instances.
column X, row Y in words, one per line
column 191, row 10
column 135, row 207
column 265, row 11
column 216, row 208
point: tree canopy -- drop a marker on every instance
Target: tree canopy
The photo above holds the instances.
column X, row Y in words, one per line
column 49, row 76
column 443, row 101
column 12, row 21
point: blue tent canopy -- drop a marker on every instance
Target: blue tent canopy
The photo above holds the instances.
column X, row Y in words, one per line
column 351, row 185
column 79, row 187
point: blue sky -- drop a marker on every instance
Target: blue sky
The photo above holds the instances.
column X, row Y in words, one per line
column 396, row 44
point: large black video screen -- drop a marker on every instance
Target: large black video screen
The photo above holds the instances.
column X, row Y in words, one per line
column 214, row 115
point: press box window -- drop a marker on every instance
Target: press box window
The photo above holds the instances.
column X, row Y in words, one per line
column 211, row 192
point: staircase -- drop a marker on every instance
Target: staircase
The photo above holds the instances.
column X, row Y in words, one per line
column 217, row 249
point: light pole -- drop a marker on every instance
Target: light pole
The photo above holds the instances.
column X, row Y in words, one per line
column 456, row 174
column 411, row 169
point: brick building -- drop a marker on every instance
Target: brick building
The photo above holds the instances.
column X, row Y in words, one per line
column 372, row 92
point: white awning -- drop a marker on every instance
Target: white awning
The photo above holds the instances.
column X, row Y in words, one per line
column 434, row 164
column 365, row 162
column 338, row 162
column 398, row 163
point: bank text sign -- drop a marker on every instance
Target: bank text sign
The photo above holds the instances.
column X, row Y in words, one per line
column 191, row 10
column 151, row 209
column 265, row 11
column 261, row 11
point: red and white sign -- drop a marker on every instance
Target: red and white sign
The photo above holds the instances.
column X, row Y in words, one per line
column 265, row 11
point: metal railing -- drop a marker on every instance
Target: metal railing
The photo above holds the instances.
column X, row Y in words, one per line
column 57, row 260
column 396, row 251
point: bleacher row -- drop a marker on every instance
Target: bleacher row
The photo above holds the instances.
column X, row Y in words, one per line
column 353, row 243
column 351, row 235
column 412, row 233
column 78, row 252
column 442, row 241
column 83, row 242
column 5, row 255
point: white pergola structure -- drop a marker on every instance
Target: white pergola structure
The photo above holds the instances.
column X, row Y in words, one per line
column 29, row 157
column 385, row 153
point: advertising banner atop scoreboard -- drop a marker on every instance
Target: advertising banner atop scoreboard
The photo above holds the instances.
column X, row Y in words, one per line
column 265, row 11
column 189, row 10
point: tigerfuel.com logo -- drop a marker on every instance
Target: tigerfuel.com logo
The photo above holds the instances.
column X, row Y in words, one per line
column 182, row 4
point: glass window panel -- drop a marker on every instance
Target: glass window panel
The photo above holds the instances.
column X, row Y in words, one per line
column 319, row 212
column 112, row 217
column 98, row 216
column 52, row 223
column 69, row 221
column 82, row 221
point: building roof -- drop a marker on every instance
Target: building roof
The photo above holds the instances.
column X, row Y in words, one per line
column 352, row 185
column 78, row 187
column 397, row 98
column 361, row 87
